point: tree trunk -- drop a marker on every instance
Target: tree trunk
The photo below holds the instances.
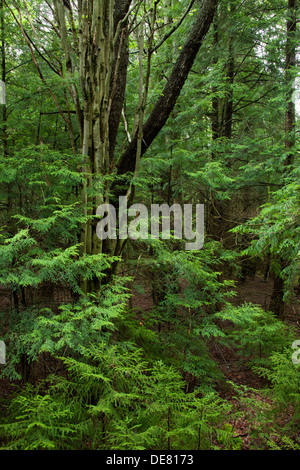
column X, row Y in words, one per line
column 98, row 52
column 277, row 304
column 169, row 95
column 221, row 127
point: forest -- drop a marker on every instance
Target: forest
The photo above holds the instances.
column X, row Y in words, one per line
column 149, row 225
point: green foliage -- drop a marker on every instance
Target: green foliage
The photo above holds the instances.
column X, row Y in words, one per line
column 25, row 263
column 112, row 400
column 276, row 230
column 37, row 422
column 255, row 333
column 279, row 442
column 186, row 290
column 68, row 330
column 16, row 257
column 284, row 375
column 144, row 378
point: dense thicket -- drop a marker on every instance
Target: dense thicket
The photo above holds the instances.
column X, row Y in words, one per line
column 169, row 101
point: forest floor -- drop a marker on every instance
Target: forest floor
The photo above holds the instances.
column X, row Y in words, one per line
column 254, row 290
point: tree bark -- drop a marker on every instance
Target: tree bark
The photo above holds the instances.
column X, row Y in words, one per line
column 221, row 127
column 170, row 93
column 277, row 304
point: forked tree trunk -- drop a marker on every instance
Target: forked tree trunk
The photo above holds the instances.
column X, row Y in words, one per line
column 99, row 89
column 97, row 50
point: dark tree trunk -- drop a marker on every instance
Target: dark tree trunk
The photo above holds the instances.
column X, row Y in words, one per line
column 221, row 127
column 169, row 95
column 277, row 304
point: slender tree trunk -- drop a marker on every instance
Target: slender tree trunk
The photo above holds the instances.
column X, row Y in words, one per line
column 277, row 304
column 215, row 118
column 221, row 127
column 97, row 51
column 3, row 78
column 4, row 133
column 290, row 63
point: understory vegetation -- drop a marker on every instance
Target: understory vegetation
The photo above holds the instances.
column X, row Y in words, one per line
column 142, row 344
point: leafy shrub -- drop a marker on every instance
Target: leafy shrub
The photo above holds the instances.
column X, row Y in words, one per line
column 284, row 376
column 111, row 399
column 255, row 333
